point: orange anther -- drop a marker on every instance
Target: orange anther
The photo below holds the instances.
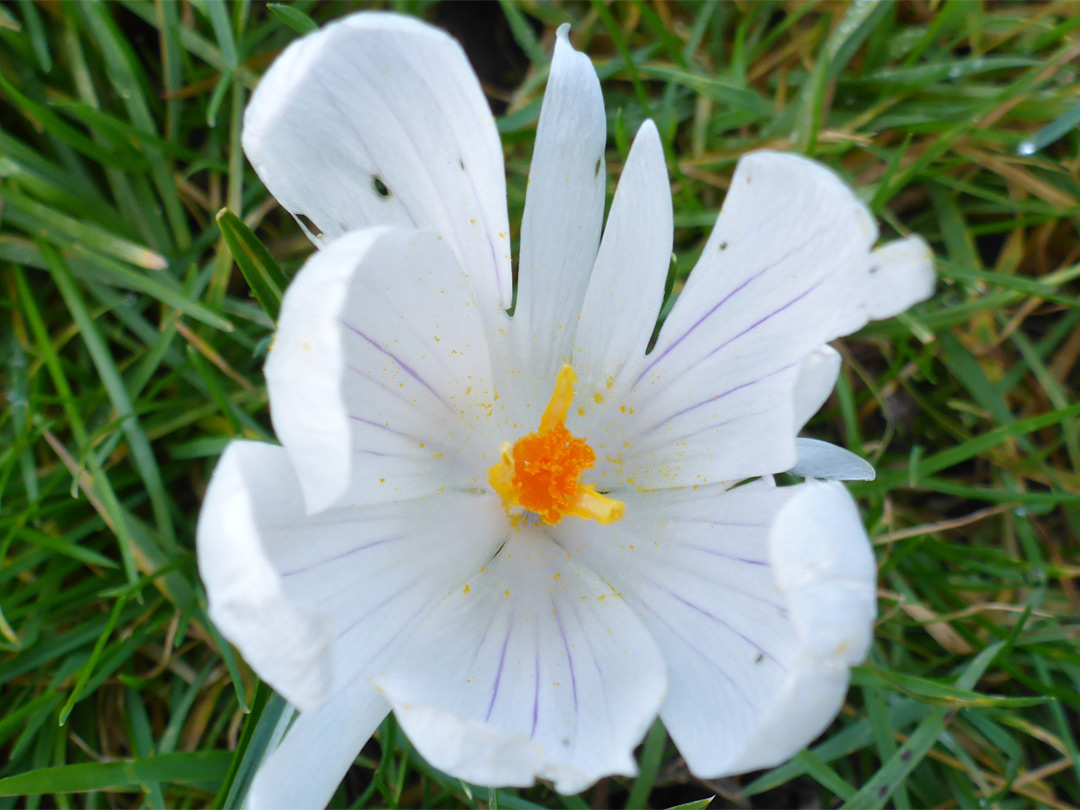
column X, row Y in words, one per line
column 541, row 472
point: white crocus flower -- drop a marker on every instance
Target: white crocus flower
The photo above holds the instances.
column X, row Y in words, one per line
column 520, row 534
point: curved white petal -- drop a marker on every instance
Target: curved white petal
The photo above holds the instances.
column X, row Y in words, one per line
column 311, row 601
column 760, row 598
column 378, row 119
column 320, row 745
column 535, row 669
column 379, row 378
column 818, row 373
column 901, row 275
column 785, row 270
column 627, row 284
column 564, row 209
column 284, row 641
column 827, row 462
column 826, row 570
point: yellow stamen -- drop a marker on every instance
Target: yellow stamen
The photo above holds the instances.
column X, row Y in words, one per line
column 541, row 471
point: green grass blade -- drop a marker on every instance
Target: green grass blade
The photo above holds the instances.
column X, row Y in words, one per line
column 118, row 393
column 199, row 767
column 261, row 272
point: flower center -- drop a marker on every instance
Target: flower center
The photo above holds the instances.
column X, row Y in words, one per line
column 540, row 471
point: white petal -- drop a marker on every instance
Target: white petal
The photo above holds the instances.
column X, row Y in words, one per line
column 785, row 270
column 379, row 378
column 311, row 601
column 564, row 209
column 308, row 766
column 627, row 284
column 537, row 669
column 826, row 569
column 817, row 378
column 754, row 595
column 828, row 462
column 286, row 643
column 901, row 275
column 385, row 103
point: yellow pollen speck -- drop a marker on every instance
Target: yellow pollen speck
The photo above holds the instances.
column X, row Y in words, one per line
column 557, row 576
column 467, row 588
column 541, row 471
column 598, row 397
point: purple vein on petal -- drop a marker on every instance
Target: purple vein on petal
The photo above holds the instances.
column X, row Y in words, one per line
column 376, row 453
column 408, row 586
column 732, row 339
column 723, row 672
column 718, row 620
column 684, row 437
column 381, row 426
column 401, row 363
column 394, row 637
column 697, row 573
column 341, row 556
column 784, row 257
column 483, row 638
column 364, row 375
column 499, row 671
column 705, row 402
column 595, row 661
column 536, row 689
column 569, row 657
column 716, row 553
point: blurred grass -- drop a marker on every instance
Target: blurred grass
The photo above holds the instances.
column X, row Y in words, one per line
column 131, row 351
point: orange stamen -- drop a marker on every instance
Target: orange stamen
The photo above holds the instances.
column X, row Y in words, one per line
column 541, row 471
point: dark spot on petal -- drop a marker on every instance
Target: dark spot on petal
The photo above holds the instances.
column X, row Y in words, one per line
column 596, row 171
column 874, row 268
column 461, row 163
column 723, row 246
column 760, row 657
column 312, row 228
column 380, row 186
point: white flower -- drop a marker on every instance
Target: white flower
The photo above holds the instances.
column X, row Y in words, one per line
column 392, row 555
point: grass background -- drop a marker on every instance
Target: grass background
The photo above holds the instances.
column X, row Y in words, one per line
column 131, row 350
